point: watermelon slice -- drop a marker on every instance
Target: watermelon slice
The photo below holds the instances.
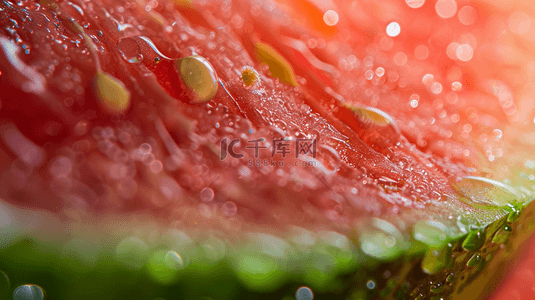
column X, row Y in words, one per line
column 263, row 149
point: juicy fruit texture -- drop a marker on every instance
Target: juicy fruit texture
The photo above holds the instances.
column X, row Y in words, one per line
column 370, row 149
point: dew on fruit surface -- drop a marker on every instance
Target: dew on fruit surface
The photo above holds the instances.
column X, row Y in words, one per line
column 467, row 15
column 446, row 8
column 229, row 209
column 29, row 292
column 206, row 195
column 130, row 50
column 370, row 284
column 393, row 29
column 415, row 3
column 304, row 293
column 330, row 17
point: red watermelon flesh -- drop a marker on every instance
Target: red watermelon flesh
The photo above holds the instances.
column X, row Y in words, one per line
column 399, row 125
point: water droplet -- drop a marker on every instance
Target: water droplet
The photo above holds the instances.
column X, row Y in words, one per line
column 475, row 240
column 229, row 209
column 436, row 88
column 29, row 292
column 446, row 8
column 428, row 79
column 380, row 72
column 485, row 191
column 304, row 293
column 474, row 260
column 467, row 15
column 145, row 148
column 368, row 75
column 502, row 235
column 497, row 133
column 456, row 86
column 330, row 18
column 415, row 3
column 464, row 52
column 207, row 195
column 370, row 284
column 393, row 29
column 156, row 166
column 130, row 51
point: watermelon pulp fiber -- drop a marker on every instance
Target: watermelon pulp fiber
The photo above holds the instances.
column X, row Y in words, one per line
column 140, row 204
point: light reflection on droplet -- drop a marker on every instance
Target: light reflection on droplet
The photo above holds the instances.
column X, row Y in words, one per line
column 415, row 3
column 29, row 292
column 393, row 29
column 370, row 284
column 446, row 8
column 330, row 17
column 380, row 72
column 497, row 133
column 428, row 79
column 467, row 15
column 368, row 75
column 456, row 86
